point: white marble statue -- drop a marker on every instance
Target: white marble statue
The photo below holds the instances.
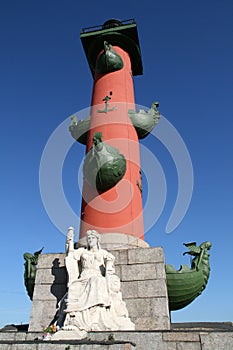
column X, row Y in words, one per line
column 93, row 301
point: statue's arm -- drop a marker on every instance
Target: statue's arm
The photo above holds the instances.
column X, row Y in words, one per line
column 109, row 260
column 72, row 257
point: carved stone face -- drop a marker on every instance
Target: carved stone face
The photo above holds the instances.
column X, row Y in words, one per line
column 92, row 241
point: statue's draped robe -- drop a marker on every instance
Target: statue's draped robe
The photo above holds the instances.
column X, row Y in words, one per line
column 90, row 289
column 93, row 301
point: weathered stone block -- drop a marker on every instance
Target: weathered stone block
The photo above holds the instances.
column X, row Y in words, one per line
column 217, row 340
column 188, row 346
column 7, row 336
column 49, row 292
column 51, row 260
column 25, row 347
column 56, row 346
column 138, row 272
column 20, row 336
column 121, row 256
column 181, row 336
column 5, row 347
column 143, row 340
column 146, row 307
column 42, row 314
column 152, row 288
column 51, row 275
column 145, row 255
column 160, row 270
column 159, row 306
column 33, row 335
column 129, row 289
column 142, row 309
column 151, row 323
column 144, row 289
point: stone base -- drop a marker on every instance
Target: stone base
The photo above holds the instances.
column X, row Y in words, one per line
column 188, row 339
column 67, row 335
column 143, row 287
column 117, row 241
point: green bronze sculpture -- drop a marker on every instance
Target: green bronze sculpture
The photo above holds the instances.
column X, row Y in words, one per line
column 187, row 283
column 104, row 166
column 79, row 129
column 30, row 266
column 108, row 61
column 144, row 121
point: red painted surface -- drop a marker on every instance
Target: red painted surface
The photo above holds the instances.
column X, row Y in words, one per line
column 118, row 210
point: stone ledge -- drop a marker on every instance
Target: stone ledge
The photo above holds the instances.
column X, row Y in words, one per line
column 125, row 340
column 61, row 345
column 217, row 340
column 181, row 336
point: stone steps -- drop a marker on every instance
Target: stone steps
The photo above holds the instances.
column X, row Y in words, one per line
column 124, row 340
column 33, row 341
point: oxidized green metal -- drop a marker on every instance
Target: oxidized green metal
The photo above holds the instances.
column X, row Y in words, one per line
column 144, row 121
column 104, row 166
column 187, row 283
column 121, row 33
column 108, row 61
column 30, row 266
column 79, row 129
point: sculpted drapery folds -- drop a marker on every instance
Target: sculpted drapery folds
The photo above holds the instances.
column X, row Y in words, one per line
column 93, row 301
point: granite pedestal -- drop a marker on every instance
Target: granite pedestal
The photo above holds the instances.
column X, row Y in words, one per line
column 143, row 286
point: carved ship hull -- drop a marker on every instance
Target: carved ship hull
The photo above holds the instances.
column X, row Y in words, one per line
column 183, row 286
column 80, row 130
column 187, row 283
column 143, row 122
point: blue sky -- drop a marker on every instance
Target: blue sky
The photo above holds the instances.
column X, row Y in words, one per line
column 187, row 53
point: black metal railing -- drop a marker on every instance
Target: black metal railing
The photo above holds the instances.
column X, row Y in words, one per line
column 111, row 23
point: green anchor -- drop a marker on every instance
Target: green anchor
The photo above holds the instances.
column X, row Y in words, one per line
column 106, row 109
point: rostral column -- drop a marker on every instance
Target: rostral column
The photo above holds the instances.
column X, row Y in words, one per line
column 112, row 189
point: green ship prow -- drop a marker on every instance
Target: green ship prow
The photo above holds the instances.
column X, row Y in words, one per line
column 184, row 285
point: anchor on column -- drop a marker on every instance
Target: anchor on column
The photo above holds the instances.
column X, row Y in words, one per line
column 107, row 109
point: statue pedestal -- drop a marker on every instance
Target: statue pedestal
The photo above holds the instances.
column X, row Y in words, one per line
column 143, row 287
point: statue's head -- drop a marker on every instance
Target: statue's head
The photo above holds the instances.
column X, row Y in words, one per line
column 97, row 138
column 93, row 239
column 206, row 245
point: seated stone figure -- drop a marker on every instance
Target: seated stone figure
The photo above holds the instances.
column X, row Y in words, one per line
column 93, row 301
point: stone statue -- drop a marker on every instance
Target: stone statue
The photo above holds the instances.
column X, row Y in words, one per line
column 93, row 301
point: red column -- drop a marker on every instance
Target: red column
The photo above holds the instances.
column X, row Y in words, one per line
column 118, row 210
